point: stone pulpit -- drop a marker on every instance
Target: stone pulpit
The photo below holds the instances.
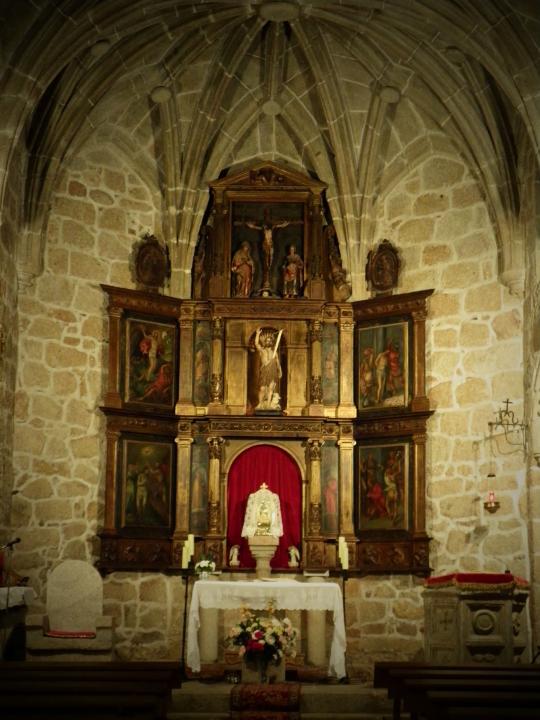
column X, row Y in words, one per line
column 476, row 618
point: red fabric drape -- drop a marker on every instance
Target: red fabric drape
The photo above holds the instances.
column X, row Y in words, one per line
column 269, row 464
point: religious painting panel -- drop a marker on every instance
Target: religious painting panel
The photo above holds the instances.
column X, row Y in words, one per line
column 329, row 489
column 150, row 363
column 145, row 487
column 330, row 364
column 199, row 487
column 267, row 249
column 384, row 487
column 383, row 366
column 202, row 362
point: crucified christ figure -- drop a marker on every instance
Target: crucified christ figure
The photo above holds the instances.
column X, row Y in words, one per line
column 268, row 227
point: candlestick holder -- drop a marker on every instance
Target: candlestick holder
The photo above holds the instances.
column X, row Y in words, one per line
column 491, row 504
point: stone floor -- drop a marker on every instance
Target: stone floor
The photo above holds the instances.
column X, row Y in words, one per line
column 208, row 700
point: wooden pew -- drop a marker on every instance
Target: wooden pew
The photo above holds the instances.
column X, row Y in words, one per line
column 460, row 691
column 108, row 690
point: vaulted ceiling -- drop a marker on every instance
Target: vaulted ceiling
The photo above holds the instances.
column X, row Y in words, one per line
column 189, row 90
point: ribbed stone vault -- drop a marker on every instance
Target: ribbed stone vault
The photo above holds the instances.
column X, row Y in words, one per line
column 189, row 90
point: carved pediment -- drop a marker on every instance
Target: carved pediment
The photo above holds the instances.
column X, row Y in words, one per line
column 267, row 175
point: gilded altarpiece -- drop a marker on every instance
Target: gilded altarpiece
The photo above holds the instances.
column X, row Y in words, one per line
column 268, row 352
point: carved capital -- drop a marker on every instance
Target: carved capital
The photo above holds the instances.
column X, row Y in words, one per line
column 314, row 450
column 346, row 326
column 315, row 331
column 419, row 315
column 217, row 328
column 214, row 447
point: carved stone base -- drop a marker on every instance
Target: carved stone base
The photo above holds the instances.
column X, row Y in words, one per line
column 263, row 548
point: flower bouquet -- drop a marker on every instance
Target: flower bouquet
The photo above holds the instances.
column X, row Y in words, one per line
column 263, row 639
column 205, row 566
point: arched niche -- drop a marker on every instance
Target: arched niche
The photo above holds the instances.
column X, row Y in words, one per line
column 279, row 470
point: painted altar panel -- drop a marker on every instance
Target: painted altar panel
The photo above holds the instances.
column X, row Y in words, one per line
column 202, row 363
column 330, row 489
column 199, row 487
column 330, row 363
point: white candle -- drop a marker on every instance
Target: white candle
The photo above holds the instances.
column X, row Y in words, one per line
column 343, row 553
column 184, row 557
column 191, row 545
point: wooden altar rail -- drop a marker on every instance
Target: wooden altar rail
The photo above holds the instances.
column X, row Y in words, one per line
column 104, row 690
column 468, row 692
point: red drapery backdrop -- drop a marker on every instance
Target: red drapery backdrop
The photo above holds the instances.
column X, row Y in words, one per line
column 269, row 464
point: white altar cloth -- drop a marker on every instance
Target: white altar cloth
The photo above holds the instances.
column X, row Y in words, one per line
column 15, row 595
column 256, row 594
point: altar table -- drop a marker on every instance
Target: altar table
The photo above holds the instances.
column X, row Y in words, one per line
column 256, row 594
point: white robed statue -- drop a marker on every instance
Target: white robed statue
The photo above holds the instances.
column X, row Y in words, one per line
column 263, row 514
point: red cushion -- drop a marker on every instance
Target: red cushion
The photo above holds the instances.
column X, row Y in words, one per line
column 85, row 634
column 475, row 578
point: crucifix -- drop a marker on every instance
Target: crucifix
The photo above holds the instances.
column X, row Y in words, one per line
column 267, row 226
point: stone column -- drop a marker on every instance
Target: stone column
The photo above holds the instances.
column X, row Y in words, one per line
column 214, row 495
column 185, row 405
column 346, row 475
column 314, row 457
column 316, row 635
column 216, row 382
column 315, row 386
column 346, row 407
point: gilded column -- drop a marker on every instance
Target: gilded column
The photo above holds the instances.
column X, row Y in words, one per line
column 216, row 382
column 346, row 445
column 185, row 405
column 314, row 457
column 214, row 495
column 315, row 385
column 346, row 407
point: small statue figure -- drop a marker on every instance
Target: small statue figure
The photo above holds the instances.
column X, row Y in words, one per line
column 243, row 268
column 233, row 556
column 292, row 274
column 263, row 514
column 294, row 556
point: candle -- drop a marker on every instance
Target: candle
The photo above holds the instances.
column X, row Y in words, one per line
column 343, row 552
column 184, row 556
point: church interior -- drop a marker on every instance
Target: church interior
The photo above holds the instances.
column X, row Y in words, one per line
column 270, row 309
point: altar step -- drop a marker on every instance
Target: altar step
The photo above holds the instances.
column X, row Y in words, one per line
column 211, row 701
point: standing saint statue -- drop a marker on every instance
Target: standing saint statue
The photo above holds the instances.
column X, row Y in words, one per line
column 268, row 227
column 267, row 346
column 243, row 269
column 292, row 273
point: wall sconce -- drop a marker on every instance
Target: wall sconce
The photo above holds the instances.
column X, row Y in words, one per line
column 491, row 504
column 510, row 425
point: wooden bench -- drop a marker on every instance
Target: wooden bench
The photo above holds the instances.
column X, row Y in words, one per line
column 108, row 690
column 460, row 691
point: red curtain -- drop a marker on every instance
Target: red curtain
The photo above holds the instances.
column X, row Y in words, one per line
column 269, row 464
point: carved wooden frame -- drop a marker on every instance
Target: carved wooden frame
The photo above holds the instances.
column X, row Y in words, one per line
column 127, row 308
column 403, row 549
column 393, row 310
column 128, row 545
